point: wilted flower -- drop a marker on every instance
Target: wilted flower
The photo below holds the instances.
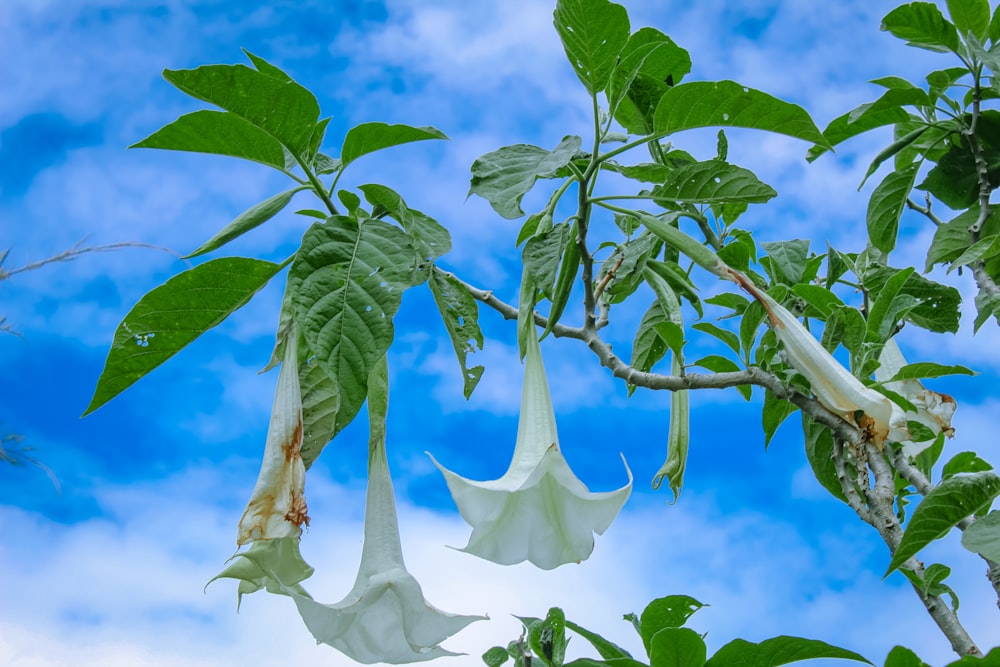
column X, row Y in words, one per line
column 834, row 386
column 277, row 506
column 385, row 617
column 934, row 410
column 538, row 511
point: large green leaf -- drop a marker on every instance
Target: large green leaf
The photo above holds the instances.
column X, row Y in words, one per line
column 714, row 181
column 677, row 647
column 218, row 133
column 948, row 503
column 951, row 239
column 542, row 254
column 651, row 339
column 505, row 175
column 778, row 651
column 788, row 259
column 593, row 33
column 320, row 405
column 284, row 109
column 776, row 411
column 346, row 284
column 172, row 315
column 819, row 453
column 671, row 611
column 983, row 537
column 970, row 16
column 460, row 314
column 886, row 205
column 650, row 64
column 939, row 304
column 429, row 236
column 370, row 137
column 923, row 25
column 872, row 115
column 729, row 104
column 249, row 219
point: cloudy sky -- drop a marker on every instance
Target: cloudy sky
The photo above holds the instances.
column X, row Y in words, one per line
column 107, row 566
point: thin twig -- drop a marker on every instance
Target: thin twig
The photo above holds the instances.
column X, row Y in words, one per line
column 76, row 250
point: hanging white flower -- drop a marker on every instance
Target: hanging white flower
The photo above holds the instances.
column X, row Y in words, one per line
column 538, row 511
column 385, row 617
column 277, row 506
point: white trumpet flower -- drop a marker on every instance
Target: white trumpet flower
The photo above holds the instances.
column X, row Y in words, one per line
column 833, row 385
column 277, row 506
column 385, row 617
column 934, row 410
column 538, row 511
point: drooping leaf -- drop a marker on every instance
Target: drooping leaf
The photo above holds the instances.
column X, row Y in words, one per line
column 284, row 109
column 987, row 305
column 249, row 219
column 346, row 284
column 563, row 287
column 776, row 411
column 678, row 438
column 948, row 503
column 370, row 137
column 778, row 651
column 504, row 176
column 938, row 305
column 542, row 254
column 593, row 33
column 607, row 649
column 429, row 237
column 819, row 453
column 726, row 336
column 217, row 133
column 951, row 239
column 172, row 315
column 982, row 249
column 677, row 647
column 460, row 314
column 923, row 25
column 886, row 205
column 983, row 536
column 729, row 104
column 678, row 280
column 320, row 405
column 714, row 181
column 649, row 65
column 651, row 339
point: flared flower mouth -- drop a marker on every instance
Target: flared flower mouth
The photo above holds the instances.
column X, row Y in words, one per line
column 539, row 511
column 277, row 506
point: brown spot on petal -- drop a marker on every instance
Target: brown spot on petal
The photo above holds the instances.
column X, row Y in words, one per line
column 292, row 447
column 299, row 513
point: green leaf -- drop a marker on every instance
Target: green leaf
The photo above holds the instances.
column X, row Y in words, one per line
column 938, row 304
column 249, row 219
column 284, row 109
column 995, row 26
column 948, row 503
column 926, row 369
column 819, row 453
column 370, row 137
column 677, row 647
column 714, row 181
column 564, row 281
column 429, row 237
column 607, row 650
column 778, row 651
column 970, row 16
column 922, row 25
column 726, row 336
column 172, row 315
column 951, row 239
column 729, row 104
column 983, row 536
column 547, row 637
column 593, row 32
column 346, row 284
column 776, row 410
column 678, row 280
column 860, row 120
column 888, row 307
column 886, row 205
column 900, row 656
column 646, row 172
column 891, row 150
column 651, row 339
column 987, row 304
column 821, row 301
column 789, row 257
column 217, row 133
column 664, row 613
column 320, row 405
column 460, row 314
column 496, row 656
column 542, row 253
column 983, row 249
column 717, row 364
column 736, row 302
column 752, row 318
column 964, row 462
column 504, row 176
column 649, row 65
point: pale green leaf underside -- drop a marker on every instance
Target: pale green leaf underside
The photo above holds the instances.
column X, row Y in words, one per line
column 951, row 501
column 460, row 314
column 172, row 315
column 714, row 181
column 346, row 284
column 593, row 33
column 983, row 537
column 729, row 104
column 505, row 175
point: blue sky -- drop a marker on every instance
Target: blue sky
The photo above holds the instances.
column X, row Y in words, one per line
column 108, row 569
